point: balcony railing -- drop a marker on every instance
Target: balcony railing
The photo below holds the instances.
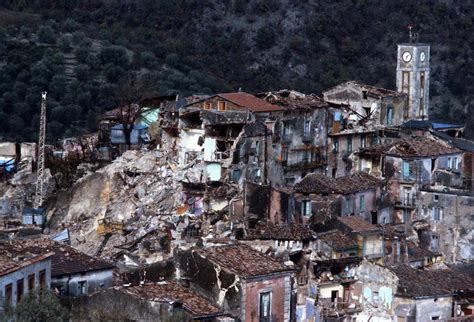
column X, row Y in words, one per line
column 407, row 202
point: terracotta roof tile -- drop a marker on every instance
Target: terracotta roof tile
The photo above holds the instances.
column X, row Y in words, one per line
column 417, row 282
column 250, row 102
column 337, row 240
column 294, row 100
column 173, row 292
column 65, row 259
column 321, row 184
column 242, row 260
column 281, row 232
column 358, row 224
column 421, row 146
column 14, row 257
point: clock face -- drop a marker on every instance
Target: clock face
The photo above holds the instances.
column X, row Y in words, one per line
column 406, row 57
column 422, row 56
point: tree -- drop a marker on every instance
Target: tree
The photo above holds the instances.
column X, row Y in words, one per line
column 129, row 96
column 43, row 306
column 46, row 35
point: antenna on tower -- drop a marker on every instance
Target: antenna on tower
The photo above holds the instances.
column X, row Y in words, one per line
column 413, row 36
column 39, row 195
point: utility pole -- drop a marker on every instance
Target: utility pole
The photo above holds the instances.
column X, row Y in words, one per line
column 39, row 195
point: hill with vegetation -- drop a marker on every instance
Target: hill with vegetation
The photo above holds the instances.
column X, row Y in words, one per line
column 81, row 50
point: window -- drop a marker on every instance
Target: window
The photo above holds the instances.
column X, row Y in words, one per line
column 375, row 139
column 449, row 163
column 8, row 293
column 284, row 154
column 406, row 216
column 349, row 143
column 221, row 106
column 334, row 296
column 363, row 141
column 306, row 208
column 82, row 287
column 362, row 202
column 42, row 279
column 406, row 170
column 305, row 157
column 364, row 94
column 19, row 290
column 455, row 163
column 265, row 306
column 434, row 242
column 207, row 105
column 236, row 175
column 405, row 82
column 436, row 197
column 407, row 197
column 286, row 130
column 437, row 213
column 335, row 144
column 307, row 126
column 389, row 115
column 257, row 173
column 31, row 282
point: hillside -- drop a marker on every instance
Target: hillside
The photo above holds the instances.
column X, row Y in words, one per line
column 80, row 50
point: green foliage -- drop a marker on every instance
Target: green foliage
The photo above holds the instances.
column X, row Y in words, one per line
column 46, row 35
column 40, row 307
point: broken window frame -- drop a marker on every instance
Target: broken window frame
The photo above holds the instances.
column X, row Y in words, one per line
column 307, row 127
column 20, row 289
column 349, row 143
column 362, row 202
column 286, row 130
column 82, row 287
column 335, row 144
column 437, row 214
column 306, row 210
column 265, row 308
column 363, row 140
column 389, row 115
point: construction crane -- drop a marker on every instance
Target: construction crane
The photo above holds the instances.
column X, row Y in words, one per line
column 39, row 195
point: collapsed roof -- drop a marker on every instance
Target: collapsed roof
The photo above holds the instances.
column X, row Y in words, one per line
column 321, row 184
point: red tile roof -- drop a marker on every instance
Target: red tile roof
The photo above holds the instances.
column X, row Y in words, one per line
column 430, row 282
column 358, row 224
column 13, row 257
column 65, row 259
column 337, row 239
column 281, row 232
column 173, row 292
column 421, row 146
column 243, row 260
column 250, row 102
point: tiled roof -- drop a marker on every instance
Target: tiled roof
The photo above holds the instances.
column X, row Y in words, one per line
column 337, row 240
column 250, row 102
column 65, row 259
column 293, row 100
column 317, row 183
column 243, row 260
column 173, row 292
column 372, row 90
column 281, row 232
column 358, row 224
column 417, row 282
column 321, row 184
column 14, row 257
column 421, row 146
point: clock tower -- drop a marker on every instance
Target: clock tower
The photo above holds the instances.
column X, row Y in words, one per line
column 413, row 78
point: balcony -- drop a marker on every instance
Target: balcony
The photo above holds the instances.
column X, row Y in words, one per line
column 406, row 202
column 337, row 308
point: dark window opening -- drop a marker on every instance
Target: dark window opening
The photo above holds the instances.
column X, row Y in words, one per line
column 8, row 293
column 31, row 282
column 334, row 296
column 19, row 290
column 265, row 307
column 364, row 94
column 42, row 279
